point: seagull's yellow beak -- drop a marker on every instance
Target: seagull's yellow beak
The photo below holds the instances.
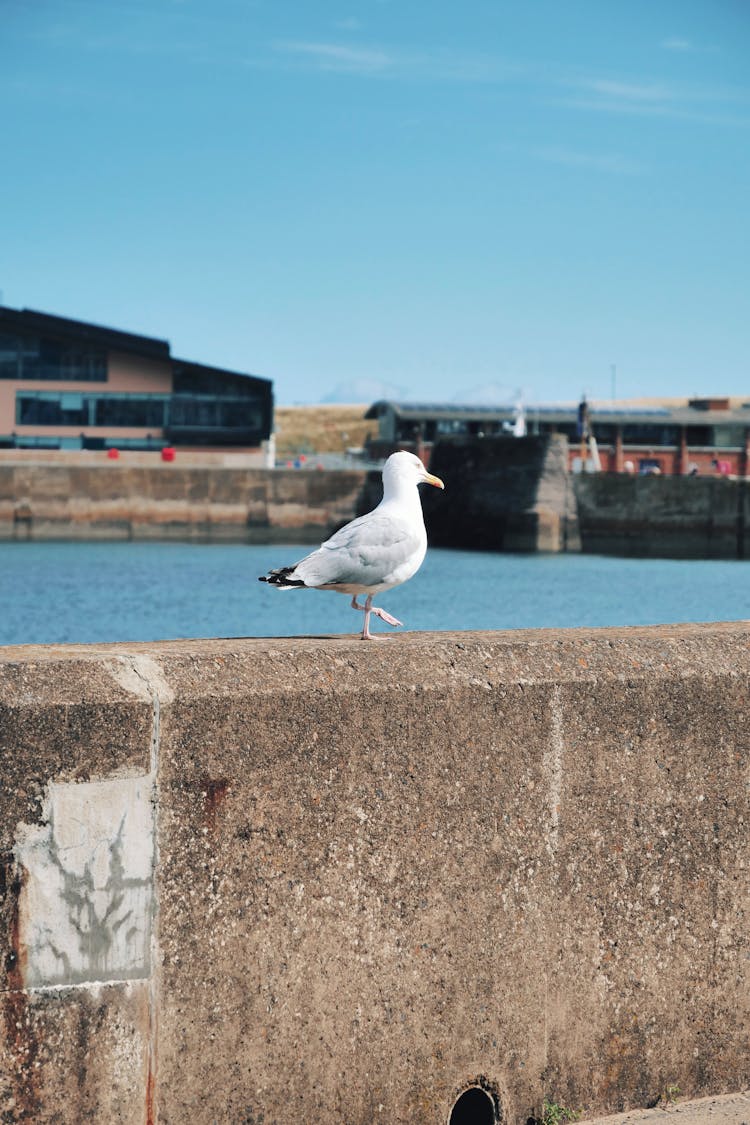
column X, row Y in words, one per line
column 430, row 479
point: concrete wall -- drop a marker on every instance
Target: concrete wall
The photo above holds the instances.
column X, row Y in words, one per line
column 516, row 495
column 325, row 881
column 500, row 495
column 503, row 494
column 171, row 501
column 675, row 517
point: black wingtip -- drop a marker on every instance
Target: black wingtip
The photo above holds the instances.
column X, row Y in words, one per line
column 281, row 580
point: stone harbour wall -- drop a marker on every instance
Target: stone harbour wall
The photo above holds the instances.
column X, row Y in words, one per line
column 318, row 880
column 205, row 504
column 663, row 516
column 503, row 494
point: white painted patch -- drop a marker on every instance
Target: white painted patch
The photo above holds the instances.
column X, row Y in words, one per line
column 141, row 675
column 87, row 898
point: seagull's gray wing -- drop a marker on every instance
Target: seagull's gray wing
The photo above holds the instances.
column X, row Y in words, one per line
column 365, row 552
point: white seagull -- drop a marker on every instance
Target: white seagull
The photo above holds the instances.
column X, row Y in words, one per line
column 374, row 552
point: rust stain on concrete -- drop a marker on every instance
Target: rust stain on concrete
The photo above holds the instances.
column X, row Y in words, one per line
column 21, row 1038
column 214, row 791
column 150, row 1093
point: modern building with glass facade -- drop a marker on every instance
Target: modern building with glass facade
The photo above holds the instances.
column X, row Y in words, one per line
column 66, row 384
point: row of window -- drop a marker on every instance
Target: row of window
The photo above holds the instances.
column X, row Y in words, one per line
column 80, row 441
column 633, row 433
column 148, row 411
column 652, row 433
column 45, row 359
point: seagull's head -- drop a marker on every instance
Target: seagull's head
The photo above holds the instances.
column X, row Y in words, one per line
column 404, row 468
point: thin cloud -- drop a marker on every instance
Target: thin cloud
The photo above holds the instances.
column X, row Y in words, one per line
column 686, row 46
column 594, row 94
column 677, row 44
column 334, row 56
column 657, row 99
column 612, row 163
column 598, row 105
column 630, row 91
column 377, row 62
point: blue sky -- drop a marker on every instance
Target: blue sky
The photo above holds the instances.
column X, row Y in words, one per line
column 432, row 200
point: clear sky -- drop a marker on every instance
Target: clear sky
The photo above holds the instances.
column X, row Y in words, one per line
column 427, row 199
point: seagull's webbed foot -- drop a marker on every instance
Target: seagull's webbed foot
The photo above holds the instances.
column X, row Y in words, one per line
column 369, row 608
column 386, row 616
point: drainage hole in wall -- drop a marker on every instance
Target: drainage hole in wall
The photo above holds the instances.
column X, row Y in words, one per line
column 474, row 1107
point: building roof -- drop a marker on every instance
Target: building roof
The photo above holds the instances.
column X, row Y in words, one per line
column 29, row 320
column 112, row 339
column 190, row 367
column 615, row 413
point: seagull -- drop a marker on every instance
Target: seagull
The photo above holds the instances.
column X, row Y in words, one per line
column 374, row 552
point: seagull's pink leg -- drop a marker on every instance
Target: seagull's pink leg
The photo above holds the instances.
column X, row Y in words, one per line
column 369, row 608
column 366, row 634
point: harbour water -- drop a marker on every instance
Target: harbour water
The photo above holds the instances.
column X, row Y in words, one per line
column 93, row 592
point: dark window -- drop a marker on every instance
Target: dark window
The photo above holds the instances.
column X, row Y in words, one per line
column 9, row 356
column 41, row 358
column 197, row 411
column 192, row 410
column 205, row 419
column 446, row 426
column 699, row 435
column 643, row 433
column 130, row 410
column 71, row 409
column 603, row 431
column 214, row 384
column 51, row 410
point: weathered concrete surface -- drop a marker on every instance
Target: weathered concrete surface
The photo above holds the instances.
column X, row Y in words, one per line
column 169, row 501
column 383, row 872
column 663, row 516
column 67, row 1054
column 729, row 1109
column 74, row 1055
column 509, row 494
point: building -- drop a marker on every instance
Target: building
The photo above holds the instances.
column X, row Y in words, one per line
column 704, row 435
column 66, row 384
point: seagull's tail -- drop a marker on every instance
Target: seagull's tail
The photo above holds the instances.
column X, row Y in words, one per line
column 282, row 579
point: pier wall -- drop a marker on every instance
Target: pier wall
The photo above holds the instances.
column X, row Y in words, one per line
column 663, row 516
column 325, row 881
column 503, row 494
column 170, row 501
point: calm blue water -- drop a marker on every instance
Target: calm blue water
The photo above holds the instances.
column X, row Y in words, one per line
column 87, row 592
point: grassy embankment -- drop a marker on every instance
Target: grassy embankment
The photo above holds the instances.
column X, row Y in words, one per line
column 329, row 428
